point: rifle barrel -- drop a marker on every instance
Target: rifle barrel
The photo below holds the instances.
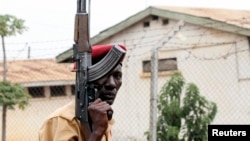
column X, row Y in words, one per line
column 81, row 6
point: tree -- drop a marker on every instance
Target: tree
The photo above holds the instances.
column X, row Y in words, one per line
column 10, row 94
column 169, row 107
column 9, row 26
column 183, row 117
column 198, row 113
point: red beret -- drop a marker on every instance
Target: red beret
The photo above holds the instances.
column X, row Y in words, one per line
column 99, row 51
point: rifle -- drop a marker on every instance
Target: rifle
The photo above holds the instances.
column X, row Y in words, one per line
column 86, row 73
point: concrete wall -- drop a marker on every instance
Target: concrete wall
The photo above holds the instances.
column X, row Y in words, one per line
column 216, row 61
column 24, row 125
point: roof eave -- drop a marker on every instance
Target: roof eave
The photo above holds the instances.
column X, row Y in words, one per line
column 202, row 21
column 108, row 32
column 196, row 20
column 121, row 26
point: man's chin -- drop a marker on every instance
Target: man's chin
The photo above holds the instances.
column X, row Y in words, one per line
column 110, row 102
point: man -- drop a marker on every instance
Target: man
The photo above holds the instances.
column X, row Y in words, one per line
column 62, row 125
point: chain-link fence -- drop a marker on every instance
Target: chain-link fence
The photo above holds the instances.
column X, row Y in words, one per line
column 223, row 80
column 220, row 69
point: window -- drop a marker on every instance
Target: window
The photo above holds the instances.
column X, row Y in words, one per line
column 146, row 24
column 57, row 91
column 36, row 92
column 155, row 18
column 168, row 64
column 165, row 22
column 73, row 89
column 248, row 40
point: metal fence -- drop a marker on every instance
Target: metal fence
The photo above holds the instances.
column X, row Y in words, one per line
column 223, row 79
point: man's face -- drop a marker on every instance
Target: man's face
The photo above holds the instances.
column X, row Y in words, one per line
column 109, row 85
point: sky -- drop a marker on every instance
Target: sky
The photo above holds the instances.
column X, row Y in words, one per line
column 51, row 22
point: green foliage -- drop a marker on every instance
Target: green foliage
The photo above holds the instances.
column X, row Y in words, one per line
column 169, row 108
column 183, row 118
column 198, row 113
column 13, row 94
column 10, row 94
column 10, row 25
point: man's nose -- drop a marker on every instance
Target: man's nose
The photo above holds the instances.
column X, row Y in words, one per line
column 111, row 82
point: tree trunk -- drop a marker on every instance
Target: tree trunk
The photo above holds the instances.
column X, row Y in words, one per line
column 4, row 60
column 4, row 122
column 4, row 79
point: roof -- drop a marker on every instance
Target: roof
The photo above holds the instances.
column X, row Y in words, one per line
column 238, row 21
column 236, row 17
column 38, row 71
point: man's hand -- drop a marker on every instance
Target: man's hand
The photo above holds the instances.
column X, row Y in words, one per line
column 98, row 114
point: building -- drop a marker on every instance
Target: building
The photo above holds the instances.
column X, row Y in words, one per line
column 210, row 47
column 49, row 83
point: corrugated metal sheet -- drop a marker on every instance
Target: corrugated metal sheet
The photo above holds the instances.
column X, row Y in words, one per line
column 236, row 17
column 25, row 71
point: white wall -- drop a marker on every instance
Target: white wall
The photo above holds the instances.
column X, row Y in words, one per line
column 24, row 125
column 214, row 60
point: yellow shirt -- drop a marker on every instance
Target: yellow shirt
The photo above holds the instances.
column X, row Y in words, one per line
column 62, row 125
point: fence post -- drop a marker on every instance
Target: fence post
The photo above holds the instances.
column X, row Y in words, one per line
column 154, row 81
